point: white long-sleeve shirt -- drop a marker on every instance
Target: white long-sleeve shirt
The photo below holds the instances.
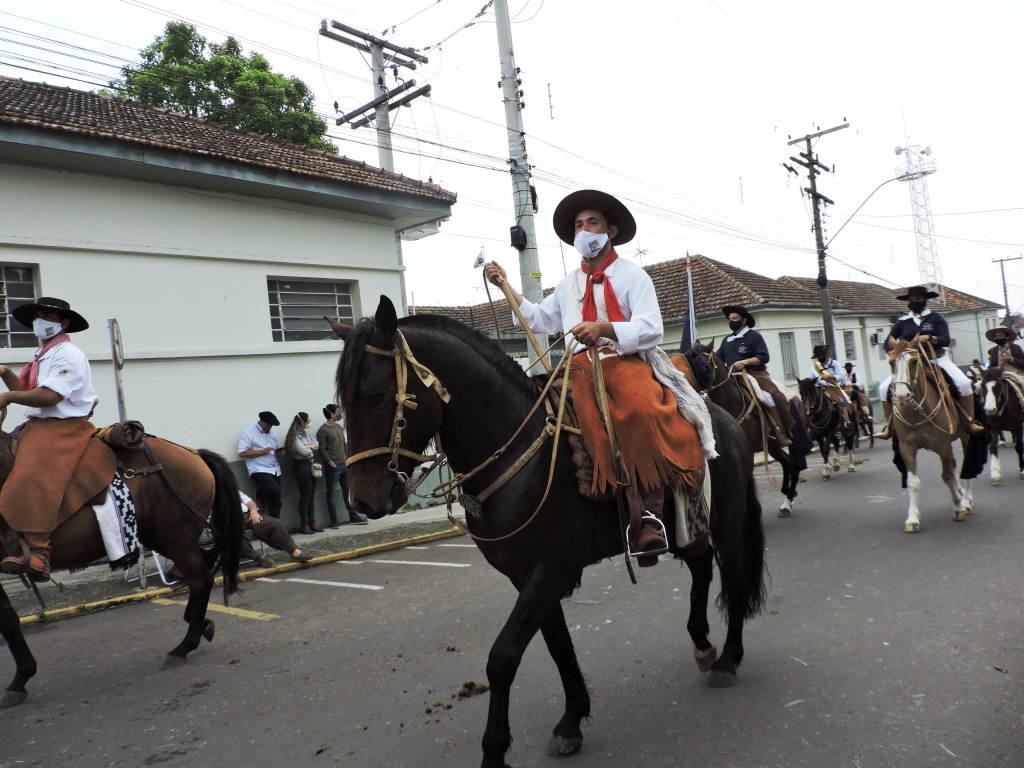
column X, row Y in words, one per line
column 563, row 310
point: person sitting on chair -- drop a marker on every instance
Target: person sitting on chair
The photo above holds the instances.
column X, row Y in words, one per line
column 919, row 325
column 832, row 380
column 746, row 350
column 269, row 530
column 56, row 388
column 1006, row 351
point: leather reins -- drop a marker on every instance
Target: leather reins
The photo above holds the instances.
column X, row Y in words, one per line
column 901, row 375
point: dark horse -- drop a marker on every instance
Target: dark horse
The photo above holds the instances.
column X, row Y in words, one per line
column 727, row 392
column 1003, row 396
column 201, row 480
column 825, row 422
column 540, row 538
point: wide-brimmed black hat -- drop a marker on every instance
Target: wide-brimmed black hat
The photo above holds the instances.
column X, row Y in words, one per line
column 564, row 217
column 990, row 334
column 730, row 308
column 26, row 313
column 819, row 350
column 268, row 418
column 919, row 290
column 848, row 365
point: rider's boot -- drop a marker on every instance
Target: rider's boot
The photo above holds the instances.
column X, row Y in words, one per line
column 651, row 538
column 780, row 430
column 967, row 405
column 887, row 411
column 844, row 414
column 35, row 558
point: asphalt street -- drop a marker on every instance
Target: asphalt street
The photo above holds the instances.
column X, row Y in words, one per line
column 878, row 648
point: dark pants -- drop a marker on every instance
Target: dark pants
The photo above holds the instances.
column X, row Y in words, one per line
column 272, row 532
column 334, row 477
column 303, row 472
column 268, row 491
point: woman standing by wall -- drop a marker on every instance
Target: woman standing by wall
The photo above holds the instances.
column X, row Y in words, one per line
column 301, row 445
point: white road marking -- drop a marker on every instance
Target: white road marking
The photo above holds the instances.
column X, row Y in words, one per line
column 421, row 562
column 268, row 579
column 470, row 546
column 336, row 584
column 416, row 546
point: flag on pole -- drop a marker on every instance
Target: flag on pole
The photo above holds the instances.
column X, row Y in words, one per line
column 690, row 324
column 479, row 259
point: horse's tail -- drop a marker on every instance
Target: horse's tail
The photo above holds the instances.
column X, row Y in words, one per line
column 753, row 549
column 226, row 518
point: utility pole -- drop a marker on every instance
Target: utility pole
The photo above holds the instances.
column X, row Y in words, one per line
column 1002, row 271
column 523, row 233
column 810, row 162
column 382, row 94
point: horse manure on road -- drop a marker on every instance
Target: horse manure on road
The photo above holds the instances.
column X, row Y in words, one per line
column 472, row 688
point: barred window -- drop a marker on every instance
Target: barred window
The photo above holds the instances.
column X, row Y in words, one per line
column 849, row 346
column 17, row 287
column 297, row 308
column 817, row 338
column 788, row 344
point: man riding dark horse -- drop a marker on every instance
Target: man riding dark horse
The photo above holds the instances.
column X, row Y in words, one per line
column 826, row 371
column 1006, row 353
column 746, row 350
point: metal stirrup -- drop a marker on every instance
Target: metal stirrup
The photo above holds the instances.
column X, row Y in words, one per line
column 648, row 517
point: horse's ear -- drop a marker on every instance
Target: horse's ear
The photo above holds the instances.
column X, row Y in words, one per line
column 385, row 320
column 340, row 329
column 711, row 344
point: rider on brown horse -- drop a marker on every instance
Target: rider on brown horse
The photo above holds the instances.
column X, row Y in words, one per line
column 1006, row 350
column 831, row 379
column 57, row 392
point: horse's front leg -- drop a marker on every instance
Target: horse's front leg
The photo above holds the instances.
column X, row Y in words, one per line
column 200, row 585
column 701, row 571
column 567, row 738
column 956, row 492
column 850, row 463
column 996, row 469
column 24, row 661
column 539, row 598
column 913, row 521
column 825, row 446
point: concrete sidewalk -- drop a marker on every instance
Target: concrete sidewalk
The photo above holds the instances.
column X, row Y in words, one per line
column 97, row 587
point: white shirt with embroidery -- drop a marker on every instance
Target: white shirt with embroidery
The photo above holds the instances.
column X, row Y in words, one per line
column 65, row 370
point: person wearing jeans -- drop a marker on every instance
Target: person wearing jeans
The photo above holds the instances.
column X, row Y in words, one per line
column 331, row 437
column 258, row 446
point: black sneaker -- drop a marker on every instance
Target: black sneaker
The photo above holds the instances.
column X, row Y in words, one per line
column 358, row 518
column 334, row 524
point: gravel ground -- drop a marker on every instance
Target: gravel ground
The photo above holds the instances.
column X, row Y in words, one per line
column 98, row 582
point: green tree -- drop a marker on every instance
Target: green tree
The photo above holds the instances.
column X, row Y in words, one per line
column 184, row 72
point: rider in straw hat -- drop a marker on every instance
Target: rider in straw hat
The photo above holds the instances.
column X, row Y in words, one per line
column 1006, row 350
column 611, row 303
column 57, row 392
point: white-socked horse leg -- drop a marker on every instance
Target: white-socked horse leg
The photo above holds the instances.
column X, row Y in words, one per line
column 836, row 465
column 913, row 523
column 850, row 464
column 996, row 471
column 968, row 490
column 956, row 492
column 786, row 509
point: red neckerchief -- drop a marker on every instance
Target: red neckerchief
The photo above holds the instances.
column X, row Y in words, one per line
column 611, row 303
column 29, row 376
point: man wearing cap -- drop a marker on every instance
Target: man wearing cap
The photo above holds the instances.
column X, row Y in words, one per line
column 746, row 350
column 921, row 324
column 57, row 392
column 826, row 371
column 258, row 446
column 609, row 302
column 1006, row 351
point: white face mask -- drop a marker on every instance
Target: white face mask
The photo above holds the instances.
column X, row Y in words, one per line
column 589, row 244
column 46, row 329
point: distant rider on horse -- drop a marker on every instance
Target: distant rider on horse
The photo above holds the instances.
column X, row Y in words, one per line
column 1006, row 353
column 921, row 324
column 831, row 379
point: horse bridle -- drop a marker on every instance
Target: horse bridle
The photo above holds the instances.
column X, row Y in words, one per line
column 901, row 375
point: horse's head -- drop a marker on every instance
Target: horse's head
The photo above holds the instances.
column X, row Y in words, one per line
column 392, row 406
column 905, row 360
column 993, row 390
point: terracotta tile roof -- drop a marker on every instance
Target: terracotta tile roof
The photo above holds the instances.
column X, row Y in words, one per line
column 63, row 110
column 870, row 298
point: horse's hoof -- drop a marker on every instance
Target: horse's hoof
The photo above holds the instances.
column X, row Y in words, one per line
column 563, row 746
column 851, row 468
column 208, row 630
column 959, row 515
column 997, row 481
column 12, row 698
column 784, row 511
column 706, row 659
column 912, row 528
column 720, row 679
column 172, row 662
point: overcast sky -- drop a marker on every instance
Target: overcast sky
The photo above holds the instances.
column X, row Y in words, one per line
column 683, row 110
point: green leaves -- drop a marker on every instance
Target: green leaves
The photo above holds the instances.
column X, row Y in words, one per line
column 182, row 71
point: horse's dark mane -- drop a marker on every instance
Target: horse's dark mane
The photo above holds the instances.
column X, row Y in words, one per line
column 807, row 386
column 362, row 334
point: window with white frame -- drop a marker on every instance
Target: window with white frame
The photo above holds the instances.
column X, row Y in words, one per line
column 817, row 338
column 849, row 346
column 297, row 308
column 17, row 287
column 787, row 342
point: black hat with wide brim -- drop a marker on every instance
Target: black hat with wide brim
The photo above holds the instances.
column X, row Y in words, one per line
column 920, row 290
column 819, row 350
column 564, row 217
column 730, row 308
column 26, row 313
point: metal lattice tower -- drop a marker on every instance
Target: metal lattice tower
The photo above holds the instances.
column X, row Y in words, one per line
column 920, row 164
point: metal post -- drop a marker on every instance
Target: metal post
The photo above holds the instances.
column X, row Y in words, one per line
column 1006, row 296
column 117, row 354
column 522, row 198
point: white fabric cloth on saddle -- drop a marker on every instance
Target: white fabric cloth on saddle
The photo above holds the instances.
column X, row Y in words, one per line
column 118, row 525
column 690, row 404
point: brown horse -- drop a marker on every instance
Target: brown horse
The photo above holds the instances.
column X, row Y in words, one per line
column 727, row 392
column 1003, row 396
column 193, row 491
column 825, row 423
column 926, row 417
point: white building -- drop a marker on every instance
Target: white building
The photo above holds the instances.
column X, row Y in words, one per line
column 218, row 252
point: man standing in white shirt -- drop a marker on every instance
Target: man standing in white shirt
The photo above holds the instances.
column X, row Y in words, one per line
column 258, row 446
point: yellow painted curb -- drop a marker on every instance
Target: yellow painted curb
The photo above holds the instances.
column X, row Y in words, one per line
column 150, row 594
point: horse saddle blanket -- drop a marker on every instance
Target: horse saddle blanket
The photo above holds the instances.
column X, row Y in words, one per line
column 118, row 525
column 657, row 446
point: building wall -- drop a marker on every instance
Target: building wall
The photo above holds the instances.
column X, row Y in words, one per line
column 185, row 272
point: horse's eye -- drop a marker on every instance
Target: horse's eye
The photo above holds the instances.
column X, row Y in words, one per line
column 375, row 400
